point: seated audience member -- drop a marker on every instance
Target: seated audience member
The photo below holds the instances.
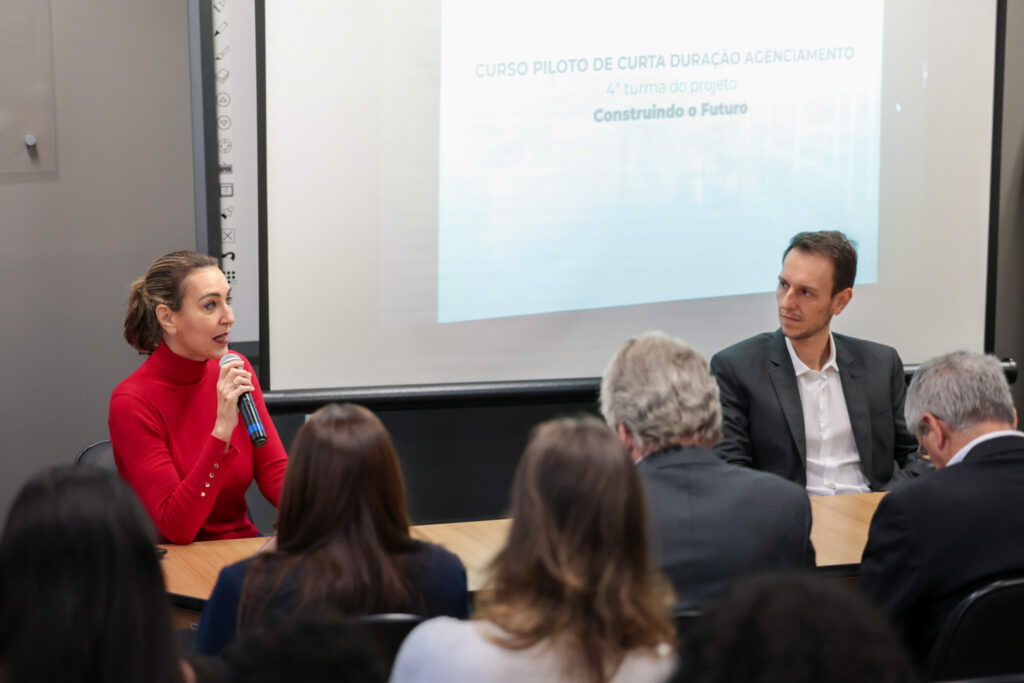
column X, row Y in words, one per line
column 343, row 541
column 821, row 409
column 934, row 541
column 321, row 649
column 711, row 522
column 82, row 595
column 793, row 628
column 573, row 595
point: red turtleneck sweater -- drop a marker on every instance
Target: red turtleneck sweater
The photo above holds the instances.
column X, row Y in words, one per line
column 161, row 427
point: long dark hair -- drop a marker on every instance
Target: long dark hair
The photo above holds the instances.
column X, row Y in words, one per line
column 576, row 569
column 342, row 524
column 81, row 592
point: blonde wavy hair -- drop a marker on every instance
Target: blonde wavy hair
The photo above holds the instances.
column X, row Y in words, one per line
column 576, row 571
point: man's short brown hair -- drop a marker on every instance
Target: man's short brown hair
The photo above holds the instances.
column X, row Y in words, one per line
column 836, row 246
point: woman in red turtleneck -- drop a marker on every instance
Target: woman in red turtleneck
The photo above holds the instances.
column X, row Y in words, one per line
column 174, row 422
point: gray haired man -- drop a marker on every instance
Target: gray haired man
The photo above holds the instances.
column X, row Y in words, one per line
column 937, row 538
column 711, row 522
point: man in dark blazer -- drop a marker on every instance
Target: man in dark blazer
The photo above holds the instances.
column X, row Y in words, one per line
column 936, row 539
column 823, row 410
column 711, row 523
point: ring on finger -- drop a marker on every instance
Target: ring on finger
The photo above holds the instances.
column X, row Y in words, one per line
column 236, row 385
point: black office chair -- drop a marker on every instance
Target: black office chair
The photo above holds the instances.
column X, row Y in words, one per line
column 1012, row 678
column 983, row 636
column 385, row 632
column 684, row 621
column 100, row 454
column 261, row 512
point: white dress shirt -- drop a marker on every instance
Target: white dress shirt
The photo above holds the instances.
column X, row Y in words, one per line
column 833, row 463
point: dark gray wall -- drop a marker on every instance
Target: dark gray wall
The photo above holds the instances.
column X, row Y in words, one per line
column 73, row 242
column 457, row 458
column 1009, row 332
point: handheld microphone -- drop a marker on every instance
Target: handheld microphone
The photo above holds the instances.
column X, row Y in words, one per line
column 253, row 424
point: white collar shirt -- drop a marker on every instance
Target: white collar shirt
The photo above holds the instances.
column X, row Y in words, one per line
column 962, row 453
column 833, row 463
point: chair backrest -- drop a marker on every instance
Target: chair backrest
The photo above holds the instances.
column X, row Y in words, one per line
column 100, row 454
column 684, row 621
column 261, row 512
column 984, row 634
column 386, row 632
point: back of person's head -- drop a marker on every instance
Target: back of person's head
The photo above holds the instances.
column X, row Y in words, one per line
column 81, row 592
column 163, row 284
column 793, row 628
column 310, row 649
column 659, row 388
column 576, row 568
column 343, row 480
column 342, row 519
column 962, row 389
column 833, row 245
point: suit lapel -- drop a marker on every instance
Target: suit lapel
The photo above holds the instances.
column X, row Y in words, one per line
column 850, row 374
column 783, row 378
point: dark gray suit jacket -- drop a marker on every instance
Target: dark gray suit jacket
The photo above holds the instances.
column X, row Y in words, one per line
column 763, row 421
column 712, row 523
column 936, row 539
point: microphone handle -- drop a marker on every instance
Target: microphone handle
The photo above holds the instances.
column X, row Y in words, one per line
column 253, row 424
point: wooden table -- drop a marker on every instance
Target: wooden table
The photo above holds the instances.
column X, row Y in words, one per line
column 839, row 532
column 839, row 528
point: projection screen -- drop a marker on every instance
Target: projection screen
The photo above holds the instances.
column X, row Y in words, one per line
column 462, row 191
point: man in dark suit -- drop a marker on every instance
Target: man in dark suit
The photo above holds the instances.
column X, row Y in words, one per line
column 936, row 539
column 711, row 523
column 823, row 410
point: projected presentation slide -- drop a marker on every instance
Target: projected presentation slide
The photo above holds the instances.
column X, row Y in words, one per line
column 645, row 152
column 472, row 191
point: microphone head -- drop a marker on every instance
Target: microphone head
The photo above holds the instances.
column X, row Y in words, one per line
column 227, row 358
